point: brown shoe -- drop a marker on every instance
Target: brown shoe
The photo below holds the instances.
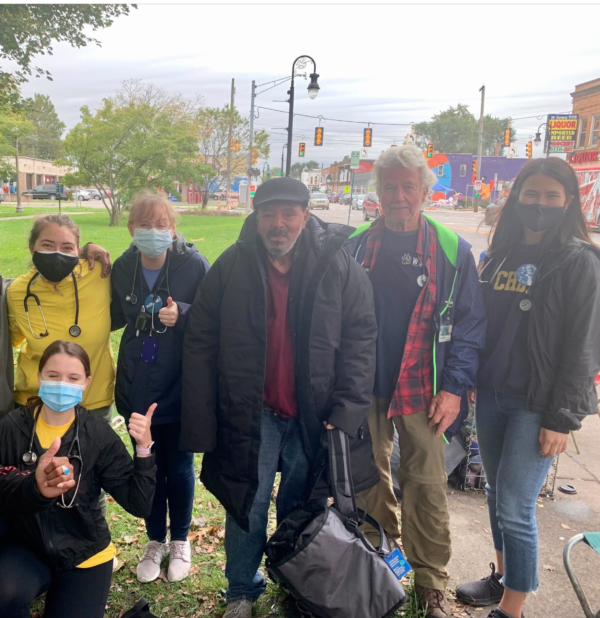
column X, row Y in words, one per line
column 434, row 601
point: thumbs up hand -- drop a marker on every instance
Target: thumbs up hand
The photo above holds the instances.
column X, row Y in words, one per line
column 50, row 478
column 139, row 427
column 170, row 314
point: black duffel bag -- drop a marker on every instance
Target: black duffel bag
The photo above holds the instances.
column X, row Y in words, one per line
column 319, row 555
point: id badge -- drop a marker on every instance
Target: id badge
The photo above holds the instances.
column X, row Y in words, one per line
column 445, row 333
column 397, row 563
column 149, row 349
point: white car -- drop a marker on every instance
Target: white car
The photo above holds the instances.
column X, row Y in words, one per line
column 81, row 194
column 318, row 200
column 94, row 194
column 357, row 202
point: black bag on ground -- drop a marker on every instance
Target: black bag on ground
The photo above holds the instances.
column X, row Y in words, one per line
column 320, row 556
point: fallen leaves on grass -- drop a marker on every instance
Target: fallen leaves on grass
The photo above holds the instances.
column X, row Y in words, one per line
column 565, row 526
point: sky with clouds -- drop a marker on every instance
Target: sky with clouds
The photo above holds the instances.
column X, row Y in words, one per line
column 378, row 63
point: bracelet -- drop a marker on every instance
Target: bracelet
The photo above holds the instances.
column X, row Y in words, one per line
column 144, row 451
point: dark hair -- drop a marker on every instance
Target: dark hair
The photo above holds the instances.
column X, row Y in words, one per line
column 61, row 347
column 507, row 232
column 46, row 220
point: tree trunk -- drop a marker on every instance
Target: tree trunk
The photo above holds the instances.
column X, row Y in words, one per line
column 115, row 213
column 205, row 198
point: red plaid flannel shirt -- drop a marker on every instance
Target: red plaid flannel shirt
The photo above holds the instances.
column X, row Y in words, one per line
column 414, row 390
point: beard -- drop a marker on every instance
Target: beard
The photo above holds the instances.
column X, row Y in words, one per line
column 278, row 242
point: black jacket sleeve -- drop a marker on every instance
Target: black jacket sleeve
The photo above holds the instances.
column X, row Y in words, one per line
column 200, row 357
column 355, row 366
column 131, row 482
column 117, row 317
column 18, row 493
column 580, row 357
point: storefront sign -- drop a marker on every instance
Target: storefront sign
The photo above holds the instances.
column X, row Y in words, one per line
column 561, row 132
column 583, row 157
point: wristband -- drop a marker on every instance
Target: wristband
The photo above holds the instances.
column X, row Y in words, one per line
column 144, row 451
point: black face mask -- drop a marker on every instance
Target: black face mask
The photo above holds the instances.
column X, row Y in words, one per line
column 54, row 266
column 538, row 217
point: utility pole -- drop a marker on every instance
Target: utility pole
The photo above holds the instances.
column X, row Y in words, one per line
column 19, row 205
column 229, row 141
column 480, row 144
column 250, row 163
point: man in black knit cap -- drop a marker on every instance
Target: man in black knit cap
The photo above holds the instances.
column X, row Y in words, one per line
column 279, row 347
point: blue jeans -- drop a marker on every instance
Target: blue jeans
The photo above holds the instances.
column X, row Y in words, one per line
column 508, row 436
column 280, row 443
column 175, row 484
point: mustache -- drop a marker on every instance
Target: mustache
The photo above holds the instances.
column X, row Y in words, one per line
column 278, row 234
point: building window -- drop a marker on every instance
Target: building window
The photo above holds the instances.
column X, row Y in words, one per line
column 583, row 122
column 39, row 180
column 29, row 181
column 440, row 171
column 595, row 130
column 463, row 171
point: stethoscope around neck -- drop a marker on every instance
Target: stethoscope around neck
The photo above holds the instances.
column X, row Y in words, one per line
column 30, row 458
column 74, row 330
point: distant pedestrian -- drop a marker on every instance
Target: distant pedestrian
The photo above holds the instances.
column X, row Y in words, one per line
column 280, row 345
column 431, row 323
column 541, row 285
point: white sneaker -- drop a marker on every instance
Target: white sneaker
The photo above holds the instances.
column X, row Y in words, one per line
column 149, row 567
column 239, row 609
column 180, row 560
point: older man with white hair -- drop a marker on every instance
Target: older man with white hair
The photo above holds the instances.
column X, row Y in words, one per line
column 431, row 322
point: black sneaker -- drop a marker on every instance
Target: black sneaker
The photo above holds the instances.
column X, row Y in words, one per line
column 498, row 613
column 486, row 591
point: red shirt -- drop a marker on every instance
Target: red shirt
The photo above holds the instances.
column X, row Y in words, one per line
column 280, row 384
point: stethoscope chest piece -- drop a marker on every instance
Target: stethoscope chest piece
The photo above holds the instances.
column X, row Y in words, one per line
column 29, row 458
column 131, row 298
column 74, row 331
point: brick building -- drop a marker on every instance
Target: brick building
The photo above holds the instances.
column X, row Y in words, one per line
column 586, row 104
column 33, row 172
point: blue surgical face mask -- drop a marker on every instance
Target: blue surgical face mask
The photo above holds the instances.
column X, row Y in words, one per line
column 152, row 242
column 60, row 396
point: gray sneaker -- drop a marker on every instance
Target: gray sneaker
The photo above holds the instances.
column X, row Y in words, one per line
column 239, row 609
column 149, row 567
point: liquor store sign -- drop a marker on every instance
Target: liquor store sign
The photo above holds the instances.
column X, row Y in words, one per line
column 561, row 132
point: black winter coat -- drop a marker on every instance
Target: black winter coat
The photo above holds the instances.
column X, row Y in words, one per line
column 68, row 537
column 334, row 334
column 140, row 384
column 564, row 334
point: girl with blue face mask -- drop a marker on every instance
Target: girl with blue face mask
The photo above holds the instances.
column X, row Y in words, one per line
column 153, row 285
column 59, row 542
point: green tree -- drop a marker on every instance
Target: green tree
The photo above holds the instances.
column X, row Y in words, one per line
column 141, row 137
column 28, row 30
column 13, row 124
column 213, row 142
column 456, row 130
column 45, row 140
column 296, row 169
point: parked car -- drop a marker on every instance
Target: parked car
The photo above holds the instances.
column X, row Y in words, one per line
column 345, row 199
column 95, row 194
column 334, row 198
column 318, row 200
column 81, row 194
column 357, row 201
column 45, row 192
column 371, row 206
column 492, row 212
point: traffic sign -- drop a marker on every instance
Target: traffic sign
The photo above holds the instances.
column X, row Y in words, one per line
column 477, row 185
column 346, row 189
column 354, row 159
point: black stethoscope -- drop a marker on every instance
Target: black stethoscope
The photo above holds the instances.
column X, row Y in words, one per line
column 74, row 330
column 30, row 458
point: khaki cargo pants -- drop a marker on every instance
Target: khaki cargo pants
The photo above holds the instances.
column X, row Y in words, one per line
column 422, row 478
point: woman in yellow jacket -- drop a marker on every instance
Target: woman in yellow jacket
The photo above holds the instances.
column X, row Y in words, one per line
column 61, row 298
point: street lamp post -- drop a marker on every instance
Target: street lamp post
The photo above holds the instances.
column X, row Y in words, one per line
column 538, row 137
column 19, row 205
column 284, row 146
column 313, row 91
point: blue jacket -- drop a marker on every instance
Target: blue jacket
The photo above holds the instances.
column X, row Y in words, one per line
column 455, row 362
column 140, row 384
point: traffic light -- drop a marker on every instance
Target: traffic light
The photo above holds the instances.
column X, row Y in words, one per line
column 507, row 137
column 301, row 149
column 430, row 150
column 473, row 177
column 367, row 138
column 474, row 167
column 254, row 156
column 529, row 149
column 235, row 145
column 319, row 136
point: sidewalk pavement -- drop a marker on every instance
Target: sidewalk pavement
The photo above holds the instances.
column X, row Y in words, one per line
column 70, row 214
column 559, row 519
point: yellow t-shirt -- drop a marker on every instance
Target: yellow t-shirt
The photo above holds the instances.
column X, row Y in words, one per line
column 46, row 434
column 58, row 307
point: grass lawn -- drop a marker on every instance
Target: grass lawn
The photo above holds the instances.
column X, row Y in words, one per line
column 9, row 211
column 201, row 594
